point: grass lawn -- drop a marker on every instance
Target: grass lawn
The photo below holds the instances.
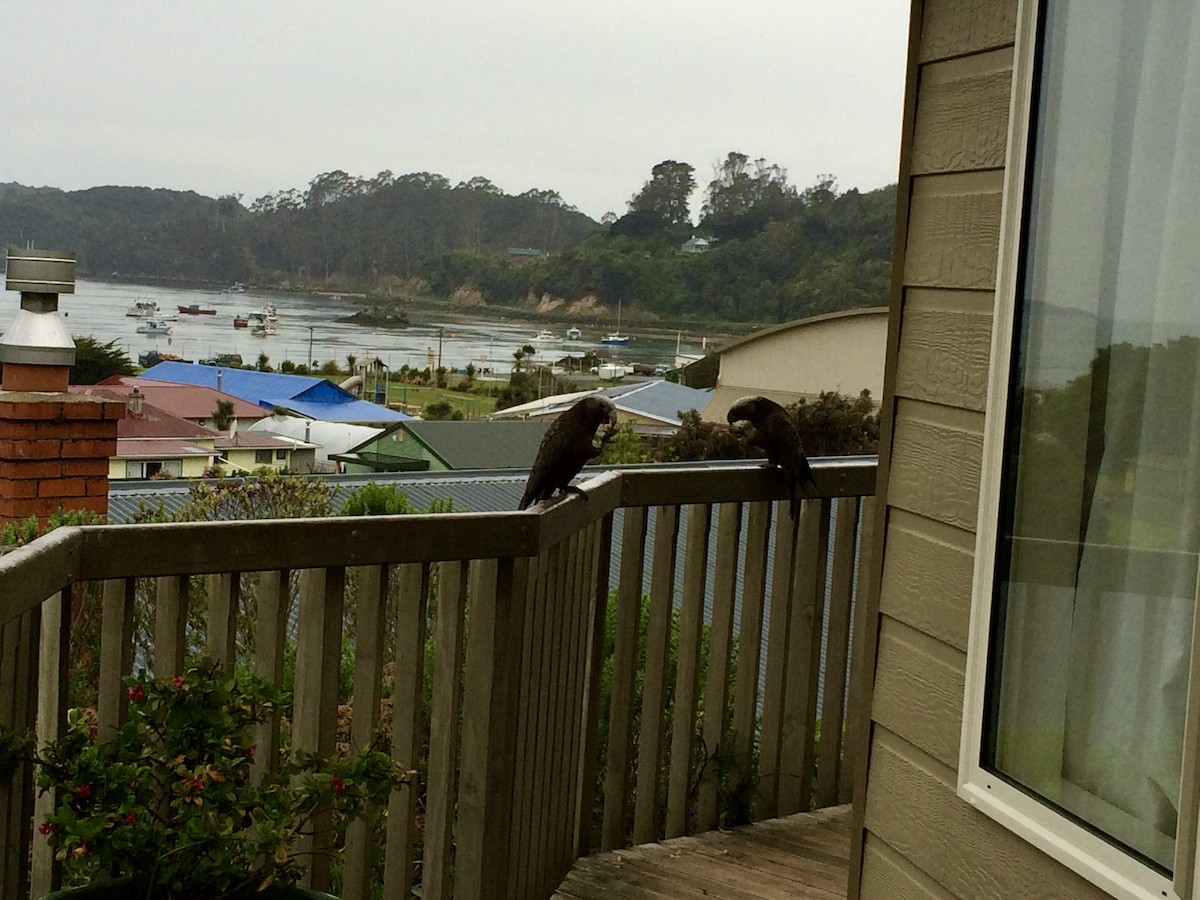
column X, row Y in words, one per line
column 410, row 398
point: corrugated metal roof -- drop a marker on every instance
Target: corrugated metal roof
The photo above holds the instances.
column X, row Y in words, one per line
column 329, row 437
column 305, row 394
column 188, row 401
column 153, row 421
column 480, row 444
column 157, row 448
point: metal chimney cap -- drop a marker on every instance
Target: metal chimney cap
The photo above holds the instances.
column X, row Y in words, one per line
column 41, row 271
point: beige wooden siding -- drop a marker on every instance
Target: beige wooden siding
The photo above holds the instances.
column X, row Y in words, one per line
column 917, row 838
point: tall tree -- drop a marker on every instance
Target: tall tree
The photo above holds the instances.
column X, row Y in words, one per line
column 666, row 194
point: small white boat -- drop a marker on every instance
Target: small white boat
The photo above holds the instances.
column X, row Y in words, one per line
column 262, row 323
column 574, row 334
column 154, row 326
column 544, row 337
column 236, row 288
column 616, row 338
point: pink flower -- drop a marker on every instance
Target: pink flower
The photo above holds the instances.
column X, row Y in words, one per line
column 249, row 751
column 83, row 791
column 47, row 828
column 136, row 693
column 130, row 818
column 177, row 681
column 81, row 850
column 338, row 784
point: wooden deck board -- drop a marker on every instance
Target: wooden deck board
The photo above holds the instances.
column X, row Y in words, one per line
column 805, row 857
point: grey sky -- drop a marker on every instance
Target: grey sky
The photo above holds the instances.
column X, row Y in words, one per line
column 255, row 96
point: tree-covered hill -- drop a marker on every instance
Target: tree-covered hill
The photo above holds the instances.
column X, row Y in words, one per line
column 773, row 252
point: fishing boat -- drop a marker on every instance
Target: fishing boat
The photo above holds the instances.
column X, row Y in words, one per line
column 574, row 334
column 261, row 324
column 154, row 326
column 241, row 322
column 544, row 337
column 236, row 288
column 195, row 309
column 145, row 308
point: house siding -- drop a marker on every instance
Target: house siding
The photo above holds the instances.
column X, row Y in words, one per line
column 915, row 838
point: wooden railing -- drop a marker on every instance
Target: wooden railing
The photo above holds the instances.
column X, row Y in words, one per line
column 565, row 717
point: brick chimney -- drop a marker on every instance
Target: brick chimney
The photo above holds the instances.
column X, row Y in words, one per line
column 54, row 446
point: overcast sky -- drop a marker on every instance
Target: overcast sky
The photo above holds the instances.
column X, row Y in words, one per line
column 256, row 96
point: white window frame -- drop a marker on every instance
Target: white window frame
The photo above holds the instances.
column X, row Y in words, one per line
column 1108, row 867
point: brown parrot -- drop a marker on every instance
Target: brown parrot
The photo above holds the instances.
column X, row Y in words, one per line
column 767, row 425
column 567, row 446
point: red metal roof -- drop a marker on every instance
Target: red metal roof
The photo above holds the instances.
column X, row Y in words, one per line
column 152, row 423
column 160, row 448
column 188, row 401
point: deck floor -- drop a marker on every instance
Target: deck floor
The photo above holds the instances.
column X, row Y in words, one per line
column 794, row 858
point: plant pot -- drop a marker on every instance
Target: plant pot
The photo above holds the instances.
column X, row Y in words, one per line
column 126, row 889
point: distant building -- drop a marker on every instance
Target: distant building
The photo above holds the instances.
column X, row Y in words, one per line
column 841, row 351
column 305, row 395
column 152, row 442
column 652, row 406
column 695, row 245
column 195, row 403
column 523, row 254
column 438, row 445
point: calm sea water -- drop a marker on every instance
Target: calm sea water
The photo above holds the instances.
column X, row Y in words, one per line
column 98, row 310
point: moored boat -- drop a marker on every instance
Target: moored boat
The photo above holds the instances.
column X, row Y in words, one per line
column 195, row 309
column 544, row 337
column 574, row 334
column 241, row 322
column 154, row 326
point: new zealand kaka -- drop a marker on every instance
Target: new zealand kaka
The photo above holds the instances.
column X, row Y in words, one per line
column 567, row 446
column 767, row 425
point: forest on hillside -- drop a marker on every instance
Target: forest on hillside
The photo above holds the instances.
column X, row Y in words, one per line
column 773, row 252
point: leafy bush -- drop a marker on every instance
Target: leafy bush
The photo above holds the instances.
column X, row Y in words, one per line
column 171, row 802
column 29, row 529
column 375, row 499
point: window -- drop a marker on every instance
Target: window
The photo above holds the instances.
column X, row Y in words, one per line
column 281, row 455
column 149, row 468
column 1085, row 595
column 262, row 457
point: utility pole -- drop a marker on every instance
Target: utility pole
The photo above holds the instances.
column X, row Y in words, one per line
column 310, row 339
column 441, row 329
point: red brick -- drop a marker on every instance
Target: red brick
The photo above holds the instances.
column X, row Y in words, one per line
column 86, row 467
column 22, row 508
column 30, row 449
column 14, row 430
column 31, row 409
column 89, row 449
column 97, row 487
column 11, row 488
column 63, row 487
column 80, row 428
column 21, row 469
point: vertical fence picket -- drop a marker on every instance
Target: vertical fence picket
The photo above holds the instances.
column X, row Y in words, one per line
column 624, row 674
column 54, row 668
column 804, row 659
column 861, row 668
column 837, row 654
column 598, row 609
column 491, row 687
column 370, row 610
column 546, row 736
column 745, row 690
column 572, row 647
column 116, row 654
column 19, row 645
column 170, row 624
column 691, row 622
column 654, row 680
column 224, row 593
column 443, row 735
column 716, row 689
column 770, row 745
column 270, row 635
column 411, row 610
column 518, row 873
column 314, row 716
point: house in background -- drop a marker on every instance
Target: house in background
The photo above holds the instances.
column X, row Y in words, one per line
column 653, row 406
column 841, row 352
column 304, row 395
column 195, row 403
column 316, row 441
column 154, row 443
column 437, row 445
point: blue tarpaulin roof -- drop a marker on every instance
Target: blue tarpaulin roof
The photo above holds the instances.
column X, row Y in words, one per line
column 304, row 394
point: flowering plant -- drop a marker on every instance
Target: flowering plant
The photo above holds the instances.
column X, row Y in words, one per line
column 172, row 802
